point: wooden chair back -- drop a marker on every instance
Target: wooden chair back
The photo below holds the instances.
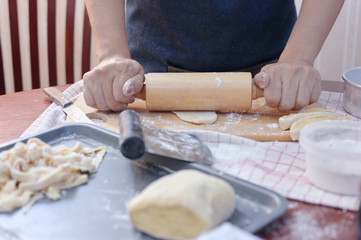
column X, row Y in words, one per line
column 43, row 43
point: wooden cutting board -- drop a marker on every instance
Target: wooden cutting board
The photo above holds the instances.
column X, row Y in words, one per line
column 260, row 124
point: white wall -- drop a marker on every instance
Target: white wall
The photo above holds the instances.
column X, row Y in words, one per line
column 342, row 48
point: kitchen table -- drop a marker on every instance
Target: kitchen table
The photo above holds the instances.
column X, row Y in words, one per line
column 302, row 220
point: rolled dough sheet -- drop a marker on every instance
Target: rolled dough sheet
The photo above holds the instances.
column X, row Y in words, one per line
column 198, row 117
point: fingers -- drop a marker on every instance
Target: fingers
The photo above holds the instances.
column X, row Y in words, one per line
column 289, row 95
column 108, row 96
column 133, row 85
column 262, row 79
column 88, row 97
column 316, row 91
column 124, row 91
column 273, row 91
column 309, row 89
column 303, row 97
column 91, row 95
column 93, row 89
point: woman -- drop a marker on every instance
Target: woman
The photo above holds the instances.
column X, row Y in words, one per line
column 208, row 35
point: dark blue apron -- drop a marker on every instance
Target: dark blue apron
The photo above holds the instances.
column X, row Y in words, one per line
column 207, row 35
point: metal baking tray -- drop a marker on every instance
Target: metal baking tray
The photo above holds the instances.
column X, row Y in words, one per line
column 97, row 210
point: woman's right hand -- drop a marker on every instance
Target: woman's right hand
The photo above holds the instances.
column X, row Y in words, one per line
column 112, row 84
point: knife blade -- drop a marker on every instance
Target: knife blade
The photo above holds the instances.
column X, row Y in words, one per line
column 69, row 108
column 159, row 146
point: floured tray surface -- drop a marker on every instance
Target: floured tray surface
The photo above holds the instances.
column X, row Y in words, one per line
column 97, row 210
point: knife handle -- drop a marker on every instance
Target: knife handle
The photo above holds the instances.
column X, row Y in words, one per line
column 131, row 139
column 57, row 96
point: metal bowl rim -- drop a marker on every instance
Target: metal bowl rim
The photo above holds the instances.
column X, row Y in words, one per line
column 350, row 81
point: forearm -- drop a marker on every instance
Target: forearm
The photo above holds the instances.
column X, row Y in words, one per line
column 107, row 19
column 315, row 21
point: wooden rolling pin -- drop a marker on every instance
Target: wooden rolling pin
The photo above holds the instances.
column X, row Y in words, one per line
column 225, row 91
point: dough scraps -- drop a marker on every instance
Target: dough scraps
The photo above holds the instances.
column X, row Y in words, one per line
column 182, row 205
column 197, row 117
column 29, row 170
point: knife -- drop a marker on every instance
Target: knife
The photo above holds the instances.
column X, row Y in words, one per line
column 69, row 108
column 159, row 146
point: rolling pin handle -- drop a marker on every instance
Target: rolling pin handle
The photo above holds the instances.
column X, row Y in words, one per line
column 141, row 94
column 256, row 91
column 131, row 139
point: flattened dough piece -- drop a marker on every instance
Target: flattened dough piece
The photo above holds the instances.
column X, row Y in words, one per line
column 286, row 122
column 296, row 121
column 182, row 205
column 299, row 124
column 315, row 109
column 198, row 117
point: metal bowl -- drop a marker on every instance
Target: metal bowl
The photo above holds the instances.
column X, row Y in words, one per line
column 352, row 91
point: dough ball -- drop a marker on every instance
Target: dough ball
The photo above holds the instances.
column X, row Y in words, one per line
column 199, row 117
column 182, row 205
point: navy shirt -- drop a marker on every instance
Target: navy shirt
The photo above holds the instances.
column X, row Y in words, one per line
column 207, row 35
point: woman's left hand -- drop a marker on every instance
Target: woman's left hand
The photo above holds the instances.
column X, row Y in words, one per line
column 288, row 85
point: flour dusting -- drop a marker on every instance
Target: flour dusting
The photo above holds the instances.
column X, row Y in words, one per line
column 272, row 125
column 309, row 225
column 218, row 81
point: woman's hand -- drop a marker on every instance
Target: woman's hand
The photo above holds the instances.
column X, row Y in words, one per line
column 112, row 84
column 289, row 86
column 293, row 82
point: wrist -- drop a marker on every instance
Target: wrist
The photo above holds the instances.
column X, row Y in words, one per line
column 111, row 51
column 299, row 60
column 111, row 57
